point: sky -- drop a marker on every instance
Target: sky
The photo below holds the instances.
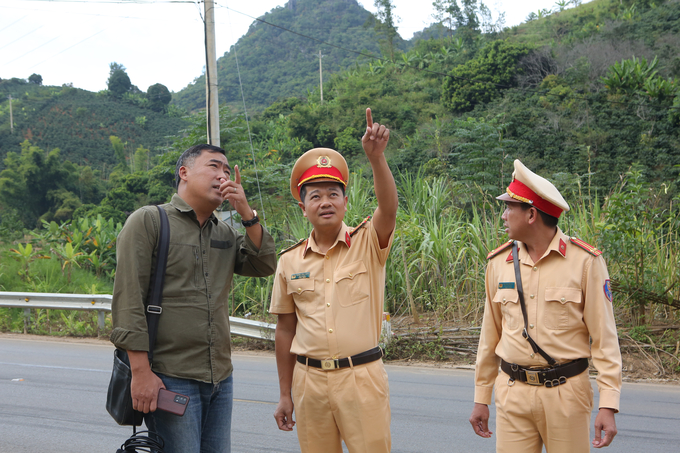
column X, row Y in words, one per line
column 158, row 41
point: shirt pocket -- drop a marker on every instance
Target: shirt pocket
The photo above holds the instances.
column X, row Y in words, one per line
column 351, row 282
column 561, row 307
column 183, row 270
column 302, row 291
column 510, row 309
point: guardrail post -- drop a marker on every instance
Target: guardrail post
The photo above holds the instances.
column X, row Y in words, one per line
column 27, row 319
column 101, row 319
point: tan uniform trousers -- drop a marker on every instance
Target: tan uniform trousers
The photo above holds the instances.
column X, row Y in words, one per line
column 350, row 404
column 528, row 416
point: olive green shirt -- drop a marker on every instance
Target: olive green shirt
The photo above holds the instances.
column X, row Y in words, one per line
column 193, row 339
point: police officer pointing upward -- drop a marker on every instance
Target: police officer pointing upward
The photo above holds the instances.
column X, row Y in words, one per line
column 328, row 295
column 547, row 296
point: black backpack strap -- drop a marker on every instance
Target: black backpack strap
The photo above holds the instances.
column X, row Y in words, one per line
column 155, row 297
column 520, row 292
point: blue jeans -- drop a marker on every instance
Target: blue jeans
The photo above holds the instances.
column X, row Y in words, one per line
column 205, row 427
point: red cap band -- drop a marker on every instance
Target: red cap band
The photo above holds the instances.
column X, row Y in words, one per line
column 521, row 192
column 316, row 172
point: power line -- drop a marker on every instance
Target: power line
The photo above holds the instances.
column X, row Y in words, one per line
column 9, row 43
column 18, row 20
column 68, row 48
column 41, row 45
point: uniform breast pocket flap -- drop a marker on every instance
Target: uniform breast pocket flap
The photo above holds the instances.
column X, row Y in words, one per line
column 300, row 286
column 508, row 299
column 562, row 308
column 563, row 295
column 506, row 296
column 302, row 291
column 352, row 283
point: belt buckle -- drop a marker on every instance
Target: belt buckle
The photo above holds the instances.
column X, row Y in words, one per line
column 328, row 364
column 532, row 377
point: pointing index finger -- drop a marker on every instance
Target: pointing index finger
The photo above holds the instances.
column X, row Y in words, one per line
column 369, row 118
column 237, row 177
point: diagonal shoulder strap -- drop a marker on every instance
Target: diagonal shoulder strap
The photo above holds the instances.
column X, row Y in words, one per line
column 155, row 298
column 520, row 291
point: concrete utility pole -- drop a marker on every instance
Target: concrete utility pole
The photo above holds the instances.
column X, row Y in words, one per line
column 11, row 118
column 321, row 75
column 212, row 104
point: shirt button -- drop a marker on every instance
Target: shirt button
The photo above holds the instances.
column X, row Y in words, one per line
column 532, row 355
column 206, row 274
column 330, row 330
column 328, row 304
column 531, row 326
column 532, row 296
column 328, row 257
column 299, row 290
column 350, row 275
column 335, row 357
column 328, row 280
column 504, row 299
column 563, row 299
column 535, row 269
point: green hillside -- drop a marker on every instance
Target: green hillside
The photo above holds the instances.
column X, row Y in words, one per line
column 79, row 123
column 276, row 64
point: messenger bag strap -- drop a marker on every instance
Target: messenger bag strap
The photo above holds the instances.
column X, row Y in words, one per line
column 155, row 298
column 520, row 292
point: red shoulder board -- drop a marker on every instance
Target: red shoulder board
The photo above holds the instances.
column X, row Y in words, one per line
column 355, row 229
column 498, row 250
column 585, row 246
column 292, row 246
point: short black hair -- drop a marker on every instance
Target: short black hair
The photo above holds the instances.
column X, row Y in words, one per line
column 303, row 191
column 548, row 220
column 189, row 156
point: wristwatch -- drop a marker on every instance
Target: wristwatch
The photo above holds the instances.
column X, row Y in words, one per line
column 251, row 222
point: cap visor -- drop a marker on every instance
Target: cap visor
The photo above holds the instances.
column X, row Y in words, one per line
column 506, row 197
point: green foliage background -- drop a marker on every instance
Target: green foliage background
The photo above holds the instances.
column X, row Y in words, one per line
column 587, row 97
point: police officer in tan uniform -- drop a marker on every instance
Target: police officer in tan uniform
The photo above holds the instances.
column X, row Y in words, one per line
column 542, row 393
column 328, row 295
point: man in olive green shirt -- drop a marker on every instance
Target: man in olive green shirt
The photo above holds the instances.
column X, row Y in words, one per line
column 192, row 353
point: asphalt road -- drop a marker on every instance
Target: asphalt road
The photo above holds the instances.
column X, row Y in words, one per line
column 52, row 396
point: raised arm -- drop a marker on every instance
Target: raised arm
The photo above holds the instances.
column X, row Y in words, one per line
column 374, row 143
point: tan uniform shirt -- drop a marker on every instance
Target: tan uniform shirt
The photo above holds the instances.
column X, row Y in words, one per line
column 338, row 296
column 567, row 304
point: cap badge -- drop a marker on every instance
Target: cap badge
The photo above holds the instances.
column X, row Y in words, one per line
column 323, row 162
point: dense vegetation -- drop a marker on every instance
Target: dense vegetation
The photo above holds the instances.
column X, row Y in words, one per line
column 79, row 122
column 276, row 64
column 586, row 96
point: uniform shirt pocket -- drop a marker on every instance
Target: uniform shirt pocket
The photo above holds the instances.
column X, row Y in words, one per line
column 302, row 291
column 508, row 299
column 562, row 306
column 352, row 284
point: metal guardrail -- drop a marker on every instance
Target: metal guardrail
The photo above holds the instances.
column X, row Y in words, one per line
column 101, row 303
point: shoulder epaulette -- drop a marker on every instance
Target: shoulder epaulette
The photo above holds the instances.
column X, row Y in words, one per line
column 356, row 228
column 303, row 240
column 585, row 246
column 498, row 250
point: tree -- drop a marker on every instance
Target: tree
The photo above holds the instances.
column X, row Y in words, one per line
column 36, row 79
column 159, row 97
column 386, row 24
column 480, row 80
column 118, row 82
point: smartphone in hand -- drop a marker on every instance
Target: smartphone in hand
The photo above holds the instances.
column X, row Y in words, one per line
column 172, row 402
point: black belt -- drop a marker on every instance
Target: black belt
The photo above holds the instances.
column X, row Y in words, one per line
column 331, row 364
column 550, row 377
